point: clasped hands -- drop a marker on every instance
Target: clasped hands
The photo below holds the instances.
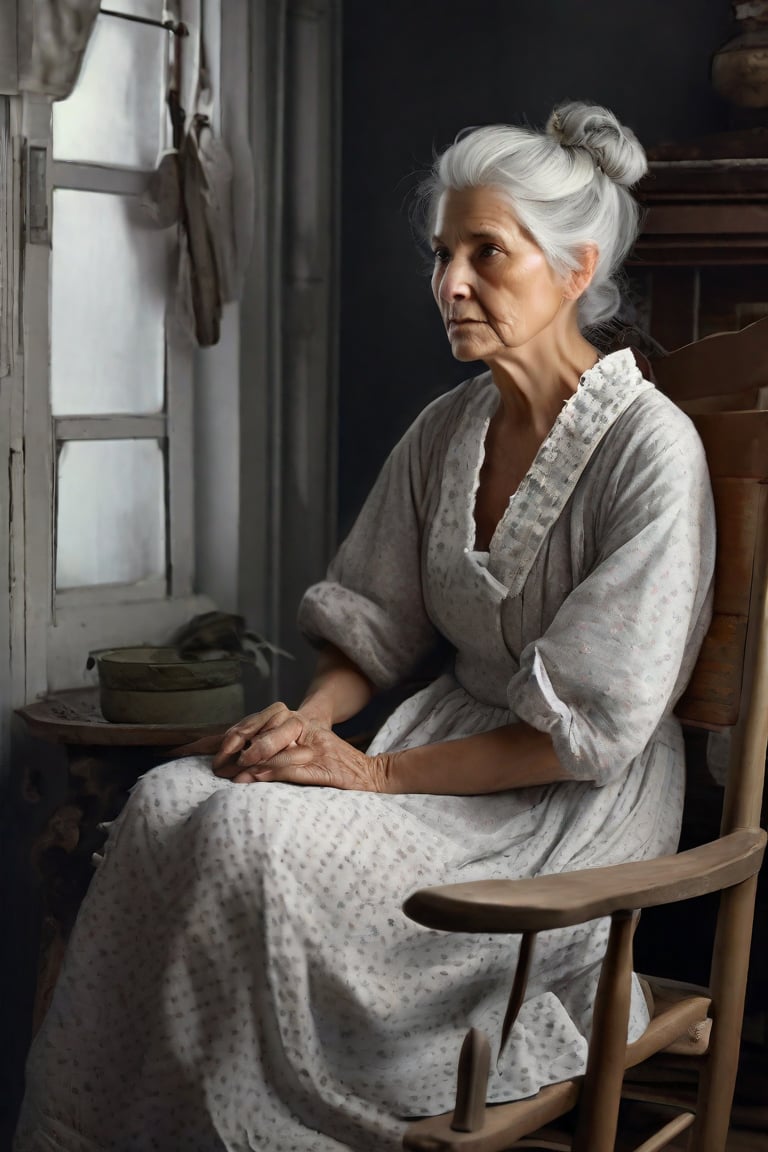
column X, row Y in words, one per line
column 290, row 747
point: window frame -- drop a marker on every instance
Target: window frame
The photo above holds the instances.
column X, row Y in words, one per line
column 55, row 630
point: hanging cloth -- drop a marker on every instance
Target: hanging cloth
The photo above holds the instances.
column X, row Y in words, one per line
column 52, row 38
column 193, row 186
column 199, row 293
column 199, row 282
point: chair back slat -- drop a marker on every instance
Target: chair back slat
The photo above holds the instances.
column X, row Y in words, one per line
column 737, row 504
column 728, row 364
column 746, row 769
column 713, row 696
column 729, row 686
column 736, row 444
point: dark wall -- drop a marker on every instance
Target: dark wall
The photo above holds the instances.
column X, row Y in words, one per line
column 414, row 74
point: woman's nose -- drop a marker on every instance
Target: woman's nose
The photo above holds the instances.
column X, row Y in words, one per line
column 455, row 284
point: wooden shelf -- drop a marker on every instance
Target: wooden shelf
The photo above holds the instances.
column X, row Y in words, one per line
column 74, row 717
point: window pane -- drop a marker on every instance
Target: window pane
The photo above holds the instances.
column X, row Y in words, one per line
column 111, row 512
column 108, row 298
column 115, row 112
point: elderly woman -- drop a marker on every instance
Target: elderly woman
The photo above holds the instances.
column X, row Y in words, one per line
column 241, row 975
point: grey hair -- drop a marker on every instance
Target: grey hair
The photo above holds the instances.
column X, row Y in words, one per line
column 568, row 187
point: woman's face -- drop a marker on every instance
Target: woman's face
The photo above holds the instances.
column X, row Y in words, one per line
column 492, row 283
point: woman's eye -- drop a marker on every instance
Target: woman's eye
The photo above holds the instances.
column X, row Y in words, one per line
column 489, row 250
column 441, row 255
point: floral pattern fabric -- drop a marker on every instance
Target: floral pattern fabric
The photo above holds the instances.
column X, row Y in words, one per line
column 241, row 975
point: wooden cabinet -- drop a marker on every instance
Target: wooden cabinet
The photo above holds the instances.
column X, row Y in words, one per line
column 701, row 262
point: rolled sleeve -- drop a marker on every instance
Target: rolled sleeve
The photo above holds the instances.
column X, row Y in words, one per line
column 384, row 647
column 619, row 652
column 371, row 604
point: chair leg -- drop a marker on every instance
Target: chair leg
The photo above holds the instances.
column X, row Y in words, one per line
column 472, row 1082
column 730, row 964
column 601, row 1093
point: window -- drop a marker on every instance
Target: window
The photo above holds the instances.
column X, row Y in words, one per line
column 108, row 378
column 108, row 537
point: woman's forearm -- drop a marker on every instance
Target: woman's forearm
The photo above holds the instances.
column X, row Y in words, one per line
column 516, row 756
column 338, row 690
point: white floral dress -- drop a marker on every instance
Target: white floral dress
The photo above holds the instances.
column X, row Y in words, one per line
column 241, row 975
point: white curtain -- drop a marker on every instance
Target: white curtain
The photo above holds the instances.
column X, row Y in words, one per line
column 289, row 323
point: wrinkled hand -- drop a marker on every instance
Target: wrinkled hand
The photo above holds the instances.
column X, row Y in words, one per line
column 290, row 747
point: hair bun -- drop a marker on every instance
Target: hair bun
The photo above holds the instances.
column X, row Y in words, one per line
column 613, row 148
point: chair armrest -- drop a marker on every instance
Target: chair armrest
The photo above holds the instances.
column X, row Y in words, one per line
column 567, row 898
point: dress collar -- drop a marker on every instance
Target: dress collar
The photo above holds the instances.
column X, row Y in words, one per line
column 604, row 392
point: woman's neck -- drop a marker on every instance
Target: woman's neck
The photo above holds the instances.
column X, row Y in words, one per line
column 536, row 380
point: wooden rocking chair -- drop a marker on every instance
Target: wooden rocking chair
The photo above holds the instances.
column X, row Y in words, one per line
column 727, row 692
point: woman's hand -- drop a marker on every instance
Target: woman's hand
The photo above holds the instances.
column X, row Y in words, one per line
column 299, row 751
column 226, row 747
column 293, row 748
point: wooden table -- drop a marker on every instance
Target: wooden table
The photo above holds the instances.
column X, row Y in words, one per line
column 104, row 761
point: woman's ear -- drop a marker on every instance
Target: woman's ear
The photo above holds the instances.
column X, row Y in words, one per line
column 580, row 278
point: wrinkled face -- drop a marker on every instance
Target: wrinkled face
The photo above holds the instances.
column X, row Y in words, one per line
column 492, row 283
